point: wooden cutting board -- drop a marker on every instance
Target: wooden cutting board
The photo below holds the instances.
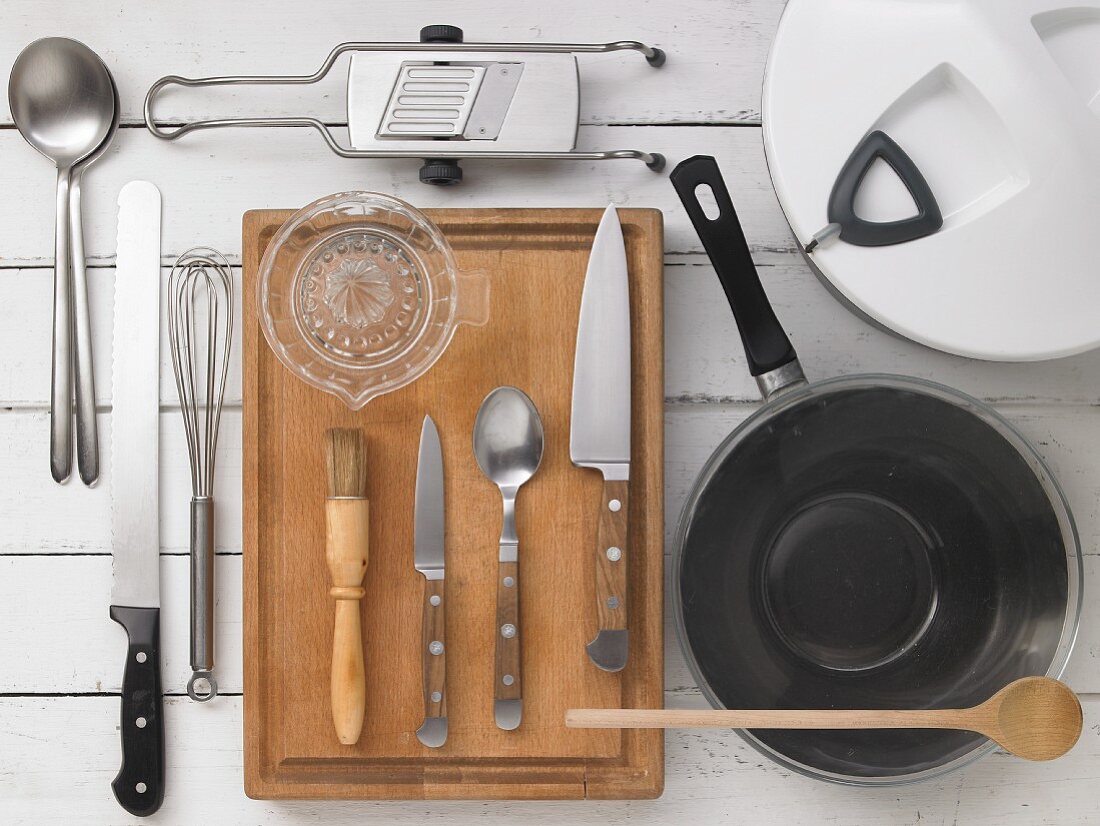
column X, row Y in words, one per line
column 536, row 261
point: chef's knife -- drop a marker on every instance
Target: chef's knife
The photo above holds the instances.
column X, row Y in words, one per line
column 429, row 560
column 135, row 523
column 599, row 435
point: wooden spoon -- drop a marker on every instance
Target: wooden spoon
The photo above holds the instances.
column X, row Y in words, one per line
column 1037, row 718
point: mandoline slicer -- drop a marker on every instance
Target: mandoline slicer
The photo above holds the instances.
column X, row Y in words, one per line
column 442, row 100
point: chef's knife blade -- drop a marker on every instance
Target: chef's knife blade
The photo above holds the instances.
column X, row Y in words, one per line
column 599, row 435
column 135, row 522
column 428, row 557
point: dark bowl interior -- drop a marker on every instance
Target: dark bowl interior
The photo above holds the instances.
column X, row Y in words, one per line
column 871, row 547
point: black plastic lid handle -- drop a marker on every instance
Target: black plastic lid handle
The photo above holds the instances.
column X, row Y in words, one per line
column 842, row 211
column 767, row 347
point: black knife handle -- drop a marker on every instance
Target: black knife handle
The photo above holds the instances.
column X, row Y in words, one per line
column 139, row 786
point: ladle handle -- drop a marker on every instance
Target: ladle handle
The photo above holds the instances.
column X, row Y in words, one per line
column 61, row 388
column 87, row 436
column 766, row 344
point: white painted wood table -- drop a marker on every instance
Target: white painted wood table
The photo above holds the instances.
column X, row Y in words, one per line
column 59, row 688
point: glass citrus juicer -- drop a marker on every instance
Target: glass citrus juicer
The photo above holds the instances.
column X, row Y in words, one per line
column 359, row 295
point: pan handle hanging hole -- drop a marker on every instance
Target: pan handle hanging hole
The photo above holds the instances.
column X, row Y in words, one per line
column 707, row 202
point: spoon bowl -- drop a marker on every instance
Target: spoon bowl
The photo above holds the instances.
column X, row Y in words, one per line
column 61, row 98
column 508, row 438
column 1035, row 718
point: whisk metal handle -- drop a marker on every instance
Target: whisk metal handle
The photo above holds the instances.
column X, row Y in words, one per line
column 202, row 599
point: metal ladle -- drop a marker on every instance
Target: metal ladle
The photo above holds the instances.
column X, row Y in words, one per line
column 508, row 441
column 87, row 439
column 62, row 100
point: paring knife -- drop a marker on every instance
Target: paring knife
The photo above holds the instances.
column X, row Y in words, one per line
column 599, row 435
column 135, row 522
column 429, row 560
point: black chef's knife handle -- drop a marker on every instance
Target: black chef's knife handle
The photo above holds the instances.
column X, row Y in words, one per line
column 139, row 786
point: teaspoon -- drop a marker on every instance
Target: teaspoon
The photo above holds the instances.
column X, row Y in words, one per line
column 508, row 442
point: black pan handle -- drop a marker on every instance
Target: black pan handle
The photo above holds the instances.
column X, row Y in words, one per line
column 766, row 344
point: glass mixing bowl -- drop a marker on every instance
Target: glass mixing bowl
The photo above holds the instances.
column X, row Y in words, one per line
column 359, row 295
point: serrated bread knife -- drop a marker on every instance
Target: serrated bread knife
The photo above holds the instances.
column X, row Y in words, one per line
column 599, row 432
column 135, row 522
column 428, row 557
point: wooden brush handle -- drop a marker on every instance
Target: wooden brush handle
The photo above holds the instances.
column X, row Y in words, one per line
column 347, row 551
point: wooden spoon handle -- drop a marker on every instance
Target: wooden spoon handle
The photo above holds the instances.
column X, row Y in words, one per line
column 966, row 719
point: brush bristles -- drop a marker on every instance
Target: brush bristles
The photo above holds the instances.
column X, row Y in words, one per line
column 346, row 462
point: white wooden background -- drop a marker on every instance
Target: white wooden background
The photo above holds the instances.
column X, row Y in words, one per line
column 62, row 655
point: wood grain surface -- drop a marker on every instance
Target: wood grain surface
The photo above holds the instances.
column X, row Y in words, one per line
column 433, row 623
column 347, row 551
column 612, row 566
column 535, row 260
column 507, row 637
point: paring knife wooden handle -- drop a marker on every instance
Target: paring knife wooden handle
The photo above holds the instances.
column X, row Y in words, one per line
column 609, row 649
column 346, row 550
column 139, row 785
column 508, row 686
column 433, row 732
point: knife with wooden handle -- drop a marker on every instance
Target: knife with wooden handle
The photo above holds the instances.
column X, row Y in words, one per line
column 599, row 433
column 429, row 559
column 135, row 521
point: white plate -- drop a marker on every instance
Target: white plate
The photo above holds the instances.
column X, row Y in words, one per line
column 997, row 102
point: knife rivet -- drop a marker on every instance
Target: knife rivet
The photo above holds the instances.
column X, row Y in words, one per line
column 434, row 599
column 613, row 603
column 615, row 505
column 507, row 679
column 140, row 656
column 509, row 582
column 436, row 696
column 507, row 630
column 614, row 554
column 141, row 788
column 436, row 647
column 140, row 722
